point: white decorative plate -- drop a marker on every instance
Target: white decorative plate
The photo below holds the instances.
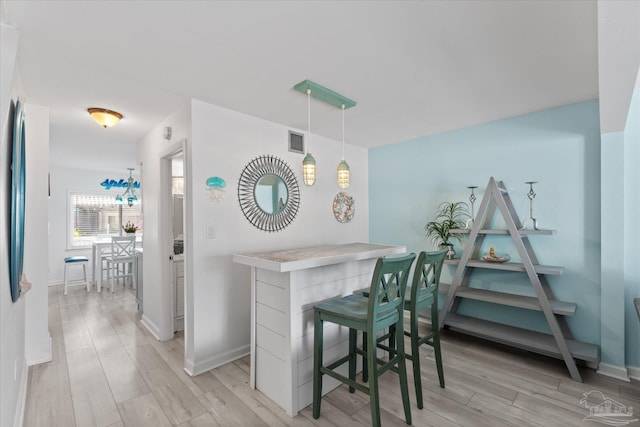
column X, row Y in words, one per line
column 344, row 207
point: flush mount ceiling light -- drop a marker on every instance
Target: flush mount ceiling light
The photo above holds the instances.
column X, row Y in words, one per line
column 105, row 118
column 129, row 195
column 330, row 97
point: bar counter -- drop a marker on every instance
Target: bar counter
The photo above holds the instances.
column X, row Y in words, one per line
column 285, row 285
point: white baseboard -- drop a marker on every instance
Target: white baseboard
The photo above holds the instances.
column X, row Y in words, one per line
column 613, row 371
column 18, row 419
column 151, row 327
column 194, row 369
column 634, row 372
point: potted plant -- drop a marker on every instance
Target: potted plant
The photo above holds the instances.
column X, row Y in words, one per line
column 130, row 228
column 449, row 216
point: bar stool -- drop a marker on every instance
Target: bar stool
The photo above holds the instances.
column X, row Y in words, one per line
column 422, row 294
column 382, row 310
column 75, row 260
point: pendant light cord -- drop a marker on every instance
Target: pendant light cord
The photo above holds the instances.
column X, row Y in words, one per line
column 342, row 131
column 309, row 116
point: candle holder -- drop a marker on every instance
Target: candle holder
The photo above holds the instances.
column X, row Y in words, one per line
column 531, row 195
column 472, row 199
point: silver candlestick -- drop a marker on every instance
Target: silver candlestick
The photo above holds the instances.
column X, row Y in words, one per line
column 531, row 195
column 472, row 199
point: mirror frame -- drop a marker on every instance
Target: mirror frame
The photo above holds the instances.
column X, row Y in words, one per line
column 16, row 247
column 251, row 174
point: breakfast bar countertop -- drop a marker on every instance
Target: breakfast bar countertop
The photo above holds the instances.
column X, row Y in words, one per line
column 317, row 256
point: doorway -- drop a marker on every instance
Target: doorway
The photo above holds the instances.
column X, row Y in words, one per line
column 173, row 238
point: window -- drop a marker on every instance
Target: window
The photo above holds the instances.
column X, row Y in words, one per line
column 92, row 216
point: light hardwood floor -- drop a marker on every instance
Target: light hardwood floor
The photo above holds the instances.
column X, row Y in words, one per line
column 107, row 370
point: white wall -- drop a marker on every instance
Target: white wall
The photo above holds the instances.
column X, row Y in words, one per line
column 158, row 248
column 38, row 340
column 13, row 366
column 221, row 142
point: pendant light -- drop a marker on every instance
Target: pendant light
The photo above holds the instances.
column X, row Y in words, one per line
column 330, row 97
column 343, row 167
column 309, row 163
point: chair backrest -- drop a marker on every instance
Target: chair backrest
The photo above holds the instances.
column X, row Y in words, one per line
column 426, row 276
column 123, row 246
column 388, row 285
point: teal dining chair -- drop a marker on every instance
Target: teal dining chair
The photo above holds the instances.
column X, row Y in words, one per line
column 423, row 294
column 369, row 315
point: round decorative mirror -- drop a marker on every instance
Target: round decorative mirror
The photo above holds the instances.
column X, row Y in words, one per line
column 268, row 193
column 271, row 194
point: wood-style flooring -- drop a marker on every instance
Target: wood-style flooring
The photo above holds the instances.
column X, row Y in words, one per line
column 107, row 370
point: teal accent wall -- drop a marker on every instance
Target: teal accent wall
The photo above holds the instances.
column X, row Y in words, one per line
column 612, row 245
column 632, row 229
column 558, row 147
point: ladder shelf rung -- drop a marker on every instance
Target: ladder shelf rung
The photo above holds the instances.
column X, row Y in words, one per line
column 513, row 300
column 508, row 266
column 504, row 231
column 525, row 339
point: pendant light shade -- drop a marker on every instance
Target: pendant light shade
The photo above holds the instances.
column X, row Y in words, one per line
column 343, row 167
column 309, row 170
column 105, row 118
column 309, row 163
column 343, row 174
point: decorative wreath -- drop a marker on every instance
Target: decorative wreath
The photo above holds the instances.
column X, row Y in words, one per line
column 344, row 207
column 251, row 174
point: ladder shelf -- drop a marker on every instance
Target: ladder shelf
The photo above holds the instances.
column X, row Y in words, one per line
column 559, row 343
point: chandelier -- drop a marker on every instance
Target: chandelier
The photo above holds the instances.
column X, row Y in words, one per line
column 129, row 195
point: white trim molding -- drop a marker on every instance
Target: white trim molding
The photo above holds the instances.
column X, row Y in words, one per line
column 210, row 363
column 634, row 372
column 613, row 371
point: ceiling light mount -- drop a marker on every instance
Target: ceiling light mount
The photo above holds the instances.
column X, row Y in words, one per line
column 104, row 117
column 323, row 94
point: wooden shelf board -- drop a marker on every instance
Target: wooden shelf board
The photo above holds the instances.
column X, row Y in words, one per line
column 505, row 231
column 522, row 338
column 508, row 266
column 513, row 300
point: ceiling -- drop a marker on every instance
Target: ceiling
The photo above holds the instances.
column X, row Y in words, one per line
column 414, row 68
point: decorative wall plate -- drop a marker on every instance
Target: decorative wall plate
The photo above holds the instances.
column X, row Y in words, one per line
column 344, row 207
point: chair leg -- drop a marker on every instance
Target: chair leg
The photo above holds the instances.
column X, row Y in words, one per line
column 436, row 344
column 436, row 349
column 113, row 276
column 415, row 358
column 365, row 365
column 317, row 363
column 65, row 278
column 374, row 398
column 353, row 337
column 402, row 371
column 84, row 270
